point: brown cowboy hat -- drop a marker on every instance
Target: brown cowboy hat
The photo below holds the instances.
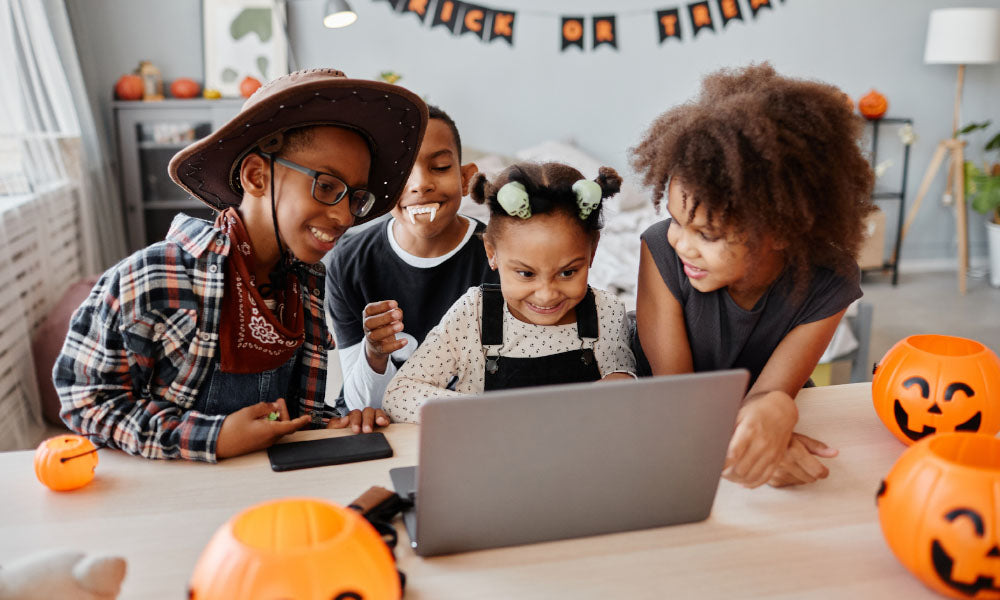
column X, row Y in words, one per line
column 390, row 118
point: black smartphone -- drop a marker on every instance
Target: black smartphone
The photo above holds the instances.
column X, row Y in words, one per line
column 328, row 451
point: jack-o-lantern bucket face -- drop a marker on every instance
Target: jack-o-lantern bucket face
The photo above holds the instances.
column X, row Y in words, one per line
column 296, row 548
column 65, row 462
column 934, row 383
column 939, row 513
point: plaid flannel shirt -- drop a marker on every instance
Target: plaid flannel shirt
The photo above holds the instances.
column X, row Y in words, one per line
column 140, row 347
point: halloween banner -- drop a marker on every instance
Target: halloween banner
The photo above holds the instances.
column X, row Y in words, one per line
column 473, row 19
column 681, row 22
column 668, row 24
column 730, row 11
column 445, row 13
column 701, row 17
column 502, row 26
column 604, row 31
column 758, row 5
column 417, row 7
column 572, row 32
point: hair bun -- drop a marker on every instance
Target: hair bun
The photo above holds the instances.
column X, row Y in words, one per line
column 479, row 188
column 609, row 180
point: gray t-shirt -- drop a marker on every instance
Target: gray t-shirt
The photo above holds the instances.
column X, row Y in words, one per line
column 723, row 335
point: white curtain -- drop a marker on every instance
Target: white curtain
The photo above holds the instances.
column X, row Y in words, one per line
column 60, row 213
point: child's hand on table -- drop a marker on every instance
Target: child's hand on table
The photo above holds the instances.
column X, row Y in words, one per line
column 382, row 321
column 763, row 430
column 361, row 420
column 250, row 429
column 800, row 465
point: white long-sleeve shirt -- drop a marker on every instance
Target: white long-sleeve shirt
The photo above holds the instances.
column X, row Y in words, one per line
column 453, row 348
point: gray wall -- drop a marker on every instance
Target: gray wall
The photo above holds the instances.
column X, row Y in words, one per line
column 507, row 98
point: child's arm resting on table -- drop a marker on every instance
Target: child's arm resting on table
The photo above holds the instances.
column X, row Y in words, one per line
column 95, row 376
column 763, row 446
column 437, row 359
column 614, row 347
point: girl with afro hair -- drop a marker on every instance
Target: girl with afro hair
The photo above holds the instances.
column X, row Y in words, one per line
column 766, row 191
column 543, row 324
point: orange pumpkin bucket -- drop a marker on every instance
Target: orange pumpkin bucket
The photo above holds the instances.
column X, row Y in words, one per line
column 299, row 548
column 933, row 383
column 65, row 462
column 939, row 515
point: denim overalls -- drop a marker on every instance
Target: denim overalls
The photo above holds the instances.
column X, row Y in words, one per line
column 225, row 393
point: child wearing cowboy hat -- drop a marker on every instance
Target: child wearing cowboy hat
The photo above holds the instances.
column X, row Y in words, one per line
column 213, row 342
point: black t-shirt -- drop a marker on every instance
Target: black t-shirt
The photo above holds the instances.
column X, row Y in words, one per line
column 723, row 335
column 364, row 268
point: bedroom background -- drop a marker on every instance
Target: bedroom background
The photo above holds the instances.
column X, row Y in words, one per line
column 529, row 99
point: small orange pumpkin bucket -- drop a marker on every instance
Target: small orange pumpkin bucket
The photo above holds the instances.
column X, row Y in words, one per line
column 300, row 548
column 939, row 516
column 65, row 462
column 932, row 383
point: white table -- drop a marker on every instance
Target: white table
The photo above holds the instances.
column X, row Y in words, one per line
column 816, row 541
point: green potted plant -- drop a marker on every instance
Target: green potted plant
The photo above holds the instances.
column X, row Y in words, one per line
column 982, row 189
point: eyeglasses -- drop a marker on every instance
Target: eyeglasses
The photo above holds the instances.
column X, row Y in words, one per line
column 329, row 189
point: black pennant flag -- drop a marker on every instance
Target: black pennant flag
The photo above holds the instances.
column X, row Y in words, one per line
column 502, row 26
column 446, row 13
column 668, row 24
column 395, row 3
column 473, row 18
column 604, row 31
column 701, row 16
column 572, row 32
column 419, row 8
column 730, row 11
column 757, row 5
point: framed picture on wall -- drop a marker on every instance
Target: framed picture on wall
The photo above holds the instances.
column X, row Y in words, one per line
column 243, row 38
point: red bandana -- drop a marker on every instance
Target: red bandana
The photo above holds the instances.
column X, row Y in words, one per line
column 252, row 339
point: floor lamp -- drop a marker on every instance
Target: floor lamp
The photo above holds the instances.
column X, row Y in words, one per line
column 957, row 36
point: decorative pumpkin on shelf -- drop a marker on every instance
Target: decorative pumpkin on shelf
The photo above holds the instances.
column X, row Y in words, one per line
column 932, row 383
column 65, row 462
column 248, row 86
column 299, row 548
column 129, row 87
column 938, row 513
column 184, row 87
column 873, row 105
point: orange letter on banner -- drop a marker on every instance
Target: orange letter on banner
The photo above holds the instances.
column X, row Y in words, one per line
column 446, row 11
column 501, row 24
column 572, row 30
column 474, row 20
column 417, row 6
column 701, row 15
column 729, row 8
column 758, row 3
column 669, row 23
column 603, row 33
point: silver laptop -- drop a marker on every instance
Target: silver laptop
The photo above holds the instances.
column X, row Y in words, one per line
column 547, row 463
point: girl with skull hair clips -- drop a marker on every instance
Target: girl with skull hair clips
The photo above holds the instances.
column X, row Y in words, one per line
column 543, row 324
column 767, row 191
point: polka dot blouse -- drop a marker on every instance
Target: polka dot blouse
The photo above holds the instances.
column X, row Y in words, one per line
column 452, row 349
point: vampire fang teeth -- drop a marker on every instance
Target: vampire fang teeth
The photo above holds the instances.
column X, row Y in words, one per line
column 422, row 209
